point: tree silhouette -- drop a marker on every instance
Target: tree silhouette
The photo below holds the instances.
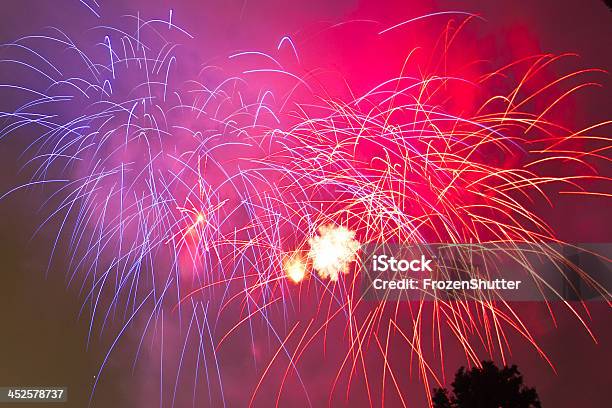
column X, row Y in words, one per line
column 487, row 387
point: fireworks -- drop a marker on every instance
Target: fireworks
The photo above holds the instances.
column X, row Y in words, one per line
column 197, row 195
column 332, row 251
column 295, row 268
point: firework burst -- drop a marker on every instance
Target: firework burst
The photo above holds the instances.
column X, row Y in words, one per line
column 183, row 201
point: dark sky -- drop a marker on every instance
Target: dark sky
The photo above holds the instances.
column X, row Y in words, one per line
column 42, row 339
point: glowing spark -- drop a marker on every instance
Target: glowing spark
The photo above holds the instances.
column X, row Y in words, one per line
column 295, row 268
column 332, row 251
